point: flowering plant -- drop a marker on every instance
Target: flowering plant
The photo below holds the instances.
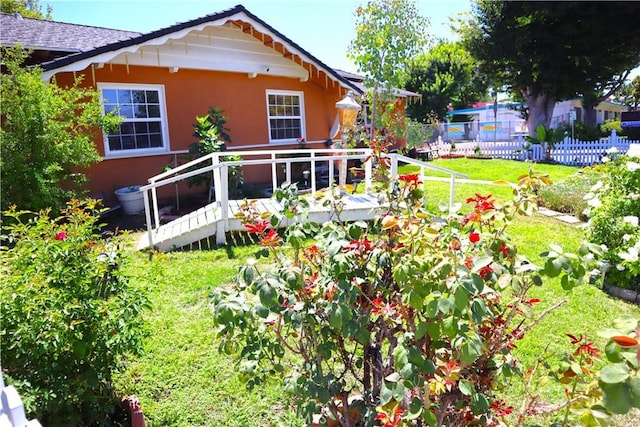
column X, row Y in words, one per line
column 614, row 209
column 410, row 319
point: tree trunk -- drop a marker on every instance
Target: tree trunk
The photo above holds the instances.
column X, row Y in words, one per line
column 589, row 115
column 374, row 108
column 540, row 110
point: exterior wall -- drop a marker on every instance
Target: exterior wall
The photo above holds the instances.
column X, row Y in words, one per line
column 191, row 92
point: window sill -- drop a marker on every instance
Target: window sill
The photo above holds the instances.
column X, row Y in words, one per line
column 149, row 154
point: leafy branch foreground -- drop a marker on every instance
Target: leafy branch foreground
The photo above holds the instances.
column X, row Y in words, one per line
column 411, row 319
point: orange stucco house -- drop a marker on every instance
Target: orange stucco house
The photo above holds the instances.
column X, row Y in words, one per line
column 271, row 89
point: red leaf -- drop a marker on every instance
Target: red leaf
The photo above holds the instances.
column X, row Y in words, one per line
column 624, row 341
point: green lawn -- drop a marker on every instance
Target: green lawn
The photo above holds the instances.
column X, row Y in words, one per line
column 184, row 381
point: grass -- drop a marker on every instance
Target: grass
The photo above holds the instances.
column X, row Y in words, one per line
column 184, row 381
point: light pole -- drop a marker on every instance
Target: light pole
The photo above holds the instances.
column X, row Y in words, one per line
column 348, row 110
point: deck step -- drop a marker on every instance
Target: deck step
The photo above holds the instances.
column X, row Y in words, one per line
column 205, row 222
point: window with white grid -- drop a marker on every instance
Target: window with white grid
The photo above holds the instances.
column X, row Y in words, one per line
column 285, row 112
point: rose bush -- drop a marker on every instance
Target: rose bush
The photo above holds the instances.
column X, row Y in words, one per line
column 69, row 315
column 410, row 319
column 614, row 212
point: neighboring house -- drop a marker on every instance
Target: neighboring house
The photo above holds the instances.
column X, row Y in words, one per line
column 272, row 90
column 508, row 123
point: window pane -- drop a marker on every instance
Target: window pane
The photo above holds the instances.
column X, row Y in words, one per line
column 142, row 141
column 154, row 110
column 126, row 111
column 128, row 142
column 114, row 143
column 109, row 108
column 124, row 96
column 109, row 95
column 138, row 97
column 126, row 128
column 155, row 140
column 152, row 97
column 154, row 127
column 141, row 127
column 141, row 111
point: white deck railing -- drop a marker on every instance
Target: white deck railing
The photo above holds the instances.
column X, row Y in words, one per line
column 216, row 164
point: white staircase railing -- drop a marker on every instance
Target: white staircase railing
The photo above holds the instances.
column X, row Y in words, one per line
column 217, row 164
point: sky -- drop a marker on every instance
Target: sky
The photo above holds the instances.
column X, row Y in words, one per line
column 323, row 28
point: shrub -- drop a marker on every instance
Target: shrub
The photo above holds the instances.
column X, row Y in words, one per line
column 568, row 195
column 408, row 319
column 47, row 136
column 582, row 131
column 69, row 315
column 614, row 209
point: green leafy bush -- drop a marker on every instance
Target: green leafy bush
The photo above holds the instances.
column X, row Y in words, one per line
column 582, row 131
column 47, row 136
column 69, row 315
column 408, row 320
column 614, row 212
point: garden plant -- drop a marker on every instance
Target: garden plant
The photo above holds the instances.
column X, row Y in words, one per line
column 407, row 320
column 70, row 318
column 614, row 212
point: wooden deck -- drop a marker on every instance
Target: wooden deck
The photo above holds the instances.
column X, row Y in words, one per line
column 208, row 221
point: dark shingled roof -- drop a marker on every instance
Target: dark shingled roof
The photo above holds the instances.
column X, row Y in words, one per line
column 39, row 34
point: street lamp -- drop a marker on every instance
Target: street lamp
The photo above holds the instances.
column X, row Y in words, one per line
column 348, row 110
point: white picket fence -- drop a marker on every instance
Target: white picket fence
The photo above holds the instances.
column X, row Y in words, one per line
column 11, row 408
column 568, row 151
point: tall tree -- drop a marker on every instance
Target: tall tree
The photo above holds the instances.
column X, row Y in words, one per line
column 446, row 75
column 388, row 34
column 26, row 8
column 548, row 51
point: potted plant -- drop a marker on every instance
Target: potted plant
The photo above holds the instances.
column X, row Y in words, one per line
column 131, row 199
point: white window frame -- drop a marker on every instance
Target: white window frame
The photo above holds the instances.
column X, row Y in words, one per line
column 164, row 127
column 301, row 117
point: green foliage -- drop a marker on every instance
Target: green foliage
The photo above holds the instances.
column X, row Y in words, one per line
column 69, row 315
column 613, row 219
column 444, row 76
column 583, row 131
column 26, row 8
column 547, row 137
column 213, row 137
column 516, row 43
column 411, row 316
column 611, row 125
column 388, row 34
column 629, row 94
column 47, row 135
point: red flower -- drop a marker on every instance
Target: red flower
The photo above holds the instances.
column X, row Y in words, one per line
column 474, row 237
column 412, row 179
column 500, row 408
column 271, row 240
column 61, row 235
column 381, row 308
column 258, row 227
column 485, row 271
column 482, row 203
column 504, row 249
column 359, row 245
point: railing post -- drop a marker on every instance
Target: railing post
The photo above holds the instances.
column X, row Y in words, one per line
column 313, row 176
column 274, row 172
column 394, row 166
column 368, row 175
column 217, row 184
column 154, row 198
column 223, row 225
column 147, row 214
